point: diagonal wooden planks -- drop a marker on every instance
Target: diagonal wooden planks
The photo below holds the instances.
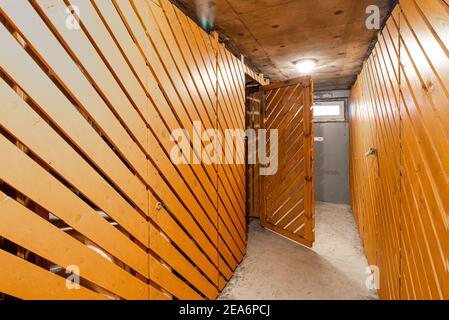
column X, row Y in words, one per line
column 288, row 194
column 86, row 126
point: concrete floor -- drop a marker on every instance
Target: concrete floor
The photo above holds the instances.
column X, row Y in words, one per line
column 276, row 268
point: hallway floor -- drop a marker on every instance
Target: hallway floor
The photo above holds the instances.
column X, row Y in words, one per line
column 276, row 268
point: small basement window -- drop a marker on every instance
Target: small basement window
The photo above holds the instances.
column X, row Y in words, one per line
column 329, row 111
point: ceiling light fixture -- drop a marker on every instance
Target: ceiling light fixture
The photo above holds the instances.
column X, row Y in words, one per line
column 306, row 66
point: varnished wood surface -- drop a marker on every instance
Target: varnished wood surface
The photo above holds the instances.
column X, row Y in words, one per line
column 85, row 130
column 288, row 200
column 400, row 105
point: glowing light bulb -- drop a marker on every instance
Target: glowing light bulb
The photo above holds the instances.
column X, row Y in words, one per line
column 306, row 66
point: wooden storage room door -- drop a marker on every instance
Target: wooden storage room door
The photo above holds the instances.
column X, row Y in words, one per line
column 288, row 199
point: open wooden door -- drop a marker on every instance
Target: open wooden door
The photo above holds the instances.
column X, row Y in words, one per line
column 288, row 196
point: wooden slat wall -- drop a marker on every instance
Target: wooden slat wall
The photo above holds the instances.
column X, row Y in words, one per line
column 400, row 105
column 85, row 127
column 231, row 178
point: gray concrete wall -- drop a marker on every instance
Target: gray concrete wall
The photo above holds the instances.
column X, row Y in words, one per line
column 331, row 94
column 332, row 162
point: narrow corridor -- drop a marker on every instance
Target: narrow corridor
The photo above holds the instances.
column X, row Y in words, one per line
column 277, row 268
column 141, row 139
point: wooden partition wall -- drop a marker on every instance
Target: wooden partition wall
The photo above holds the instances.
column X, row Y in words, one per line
column 90, row 93
column 400, row 197
column 231, row 177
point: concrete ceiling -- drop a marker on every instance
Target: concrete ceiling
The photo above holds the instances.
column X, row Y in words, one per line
column 273, row 34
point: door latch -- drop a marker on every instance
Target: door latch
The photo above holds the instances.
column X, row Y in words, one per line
column 371, row 152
